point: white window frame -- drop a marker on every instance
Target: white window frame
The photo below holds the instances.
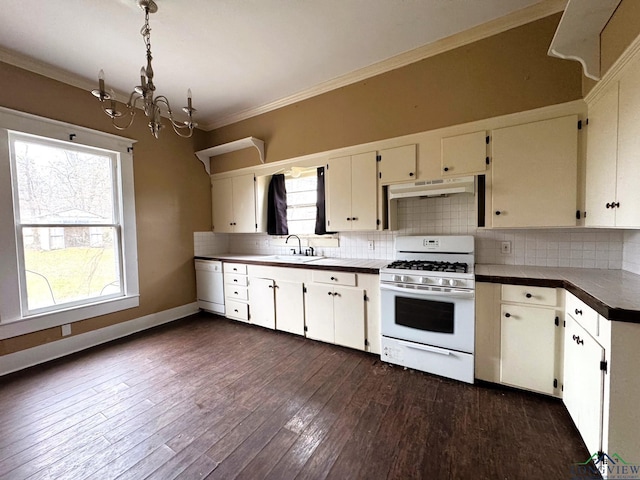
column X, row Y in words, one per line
column 13, row 318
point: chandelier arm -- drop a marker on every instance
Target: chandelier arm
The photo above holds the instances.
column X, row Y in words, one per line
column 132, row 115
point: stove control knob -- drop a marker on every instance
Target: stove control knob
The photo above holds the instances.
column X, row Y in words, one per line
column 424, row 280
column 453, row 282
column 405, row 278
column 443, row 282
column 397, row 278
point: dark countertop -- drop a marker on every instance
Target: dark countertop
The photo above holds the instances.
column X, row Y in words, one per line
column 614, row 294
column 356, row 265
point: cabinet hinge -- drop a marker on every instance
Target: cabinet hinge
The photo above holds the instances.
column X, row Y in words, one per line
column 577, row 214
column 304, row 289
column 254, row 178
column 378, row 158
column 564, row 323
column 562, row 387
column 379, row 174
column 557, row 322
column 256, row 226
column 579, row 124
column 305, row 328
column 366, row 299
column 487, row 139
column 584, row 215
column 327, row 166
column 129, row 149
column 486, row 160
column 378, row 221
column 555, row 383
column 366, row 342
column 586, row 122
column 603, row 366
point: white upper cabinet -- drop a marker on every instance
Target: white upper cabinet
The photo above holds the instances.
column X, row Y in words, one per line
column 234, row 204
column 534, row 174
column 602, row 150
column 464, row 154
column 397, row 164
column 613, row 153
column 351, row 193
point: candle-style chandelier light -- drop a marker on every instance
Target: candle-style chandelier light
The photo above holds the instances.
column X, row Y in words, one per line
column 145, row 92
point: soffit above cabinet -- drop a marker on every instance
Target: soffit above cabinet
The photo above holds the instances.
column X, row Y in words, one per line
column 578, row 34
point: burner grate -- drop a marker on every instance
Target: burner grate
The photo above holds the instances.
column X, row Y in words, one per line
column 430, row 266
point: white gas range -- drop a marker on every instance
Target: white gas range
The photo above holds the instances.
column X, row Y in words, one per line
column 428, row 305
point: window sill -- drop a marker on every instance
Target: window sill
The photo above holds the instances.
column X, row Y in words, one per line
column 34, row 323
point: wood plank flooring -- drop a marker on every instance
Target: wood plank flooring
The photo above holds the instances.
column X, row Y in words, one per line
column 206, row 397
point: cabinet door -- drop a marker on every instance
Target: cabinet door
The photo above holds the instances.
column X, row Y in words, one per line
column 363, row 191
column 397, row 164
column 262, row 302
column 583, row 383
column 464, row 154
column 244, row 204
column 338, row 192
column 222, row 205
column 318, row 307
column 289, row 307
column 349, row 317
column 528, row 348
column 628, row 171
column 602, row 147
column 534, row 174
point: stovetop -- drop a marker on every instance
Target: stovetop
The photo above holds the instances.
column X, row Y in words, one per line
column 429, row 266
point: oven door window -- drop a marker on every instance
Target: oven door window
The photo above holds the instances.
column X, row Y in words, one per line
column 426, row 315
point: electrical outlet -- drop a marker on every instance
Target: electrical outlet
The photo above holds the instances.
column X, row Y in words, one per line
column 265, row 242
column 372, row 245
column 66, row 330
column 505, row 248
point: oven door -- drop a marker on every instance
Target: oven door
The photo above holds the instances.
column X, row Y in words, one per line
column 442, row 317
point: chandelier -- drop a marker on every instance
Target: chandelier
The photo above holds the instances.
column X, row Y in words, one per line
column 145, row 92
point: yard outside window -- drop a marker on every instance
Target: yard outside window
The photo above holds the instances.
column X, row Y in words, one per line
column 67, row 223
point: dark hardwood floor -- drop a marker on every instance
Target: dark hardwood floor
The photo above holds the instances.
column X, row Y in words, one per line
column 206, row 397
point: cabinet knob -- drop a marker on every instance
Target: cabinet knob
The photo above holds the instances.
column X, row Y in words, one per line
column 334, row 278
column 616, row 205
column 235, row 280
column 446, row 169
column 578, row 312
column 528, row 295
column 329, row 293
column 411, row 174
column 498, row 212
column 270, row 286
column 508, row 315
column 608, row 205
column 348, row 219
column 355, row 219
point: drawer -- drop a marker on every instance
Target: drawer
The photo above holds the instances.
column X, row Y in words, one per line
column 235, row 268
column 530, row 295
column 237, row 310
column 334, row 278
column 586, row 316
column 233, row 279
column 237, row 293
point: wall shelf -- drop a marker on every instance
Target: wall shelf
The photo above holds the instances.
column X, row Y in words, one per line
column 578, row 34
column 205, row 155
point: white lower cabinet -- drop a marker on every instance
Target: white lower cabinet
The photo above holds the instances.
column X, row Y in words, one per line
column 276, row 298
column 583, row 393
column 336, row 315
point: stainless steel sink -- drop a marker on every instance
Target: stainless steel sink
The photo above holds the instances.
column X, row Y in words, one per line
column 292, row 258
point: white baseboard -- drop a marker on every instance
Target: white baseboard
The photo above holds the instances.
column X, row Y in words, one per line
column 49, row 351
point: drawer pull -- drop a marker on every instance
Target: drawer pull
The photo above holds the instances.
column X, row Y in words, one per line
column 334, row 278
column 235, row 293
column 235, row 280
column 235, row 310
column 578, row 340
column 578, row 312
column 329, row 293
column 528, row 295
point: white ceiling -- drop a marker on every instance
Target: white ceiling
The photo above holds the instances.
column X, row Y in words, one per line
column 237, row 56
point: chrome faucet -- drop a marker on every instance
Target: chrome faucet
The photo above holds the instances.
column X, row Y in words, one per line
column 299, row 244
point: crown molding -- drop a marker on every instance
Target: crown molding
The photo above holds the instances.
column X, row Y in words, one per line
column 499, row 25
column 480, row 32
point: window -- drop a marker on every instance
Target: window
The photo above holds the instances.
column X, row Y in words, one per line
column 301, row 200
column 67, row 224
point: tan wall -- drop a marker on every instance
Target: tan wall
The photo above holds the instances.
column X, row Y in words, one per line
column 620, row 31
column 506, row 73
column 172, row 198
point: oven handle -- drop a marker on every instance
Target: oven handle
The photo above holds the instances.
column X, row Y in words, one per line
column 422, row 290
column 426, row 348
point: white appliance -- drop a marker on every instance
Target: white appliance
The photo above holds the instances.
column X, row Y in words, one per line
column 428, row 306
column 210, row 285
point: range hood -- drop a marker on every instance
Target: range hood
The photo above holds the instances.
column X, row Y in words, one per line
column 432, row 188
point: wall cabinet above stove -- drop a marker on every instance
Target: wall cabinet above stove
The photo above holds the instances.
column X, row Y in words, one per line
column 397, row 164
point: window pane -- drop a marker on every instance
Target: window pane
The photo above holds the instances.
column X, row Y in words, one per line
column 301, row 198
column 70, row 264
column 56, row 185
column 302, row 226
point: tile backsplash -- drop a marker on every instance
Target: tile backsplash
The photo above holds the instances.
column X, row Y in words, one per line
column 456, row 214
